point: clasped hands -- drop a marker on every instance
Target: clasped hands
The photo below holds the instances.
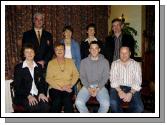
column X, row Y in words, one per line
column 93, row 91
column 66, row 88
column 126, row 97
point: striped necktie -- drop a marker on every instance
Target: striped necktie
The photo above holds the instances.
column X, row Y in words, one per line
column 39, row 36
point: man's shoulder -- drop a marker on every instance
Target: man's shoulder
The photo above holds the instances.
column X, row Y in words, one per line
column 109, row 37
column 118, row 61
column 109, row 40
column 127, row 36
column 85, row 60
column 134, row 62
column 29, row 31
column 45, row 31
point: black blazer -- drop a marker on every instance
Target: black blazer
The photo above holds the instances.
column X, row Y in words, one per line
column 84, row 48
column 23, row 81
column 109, row 46
column 44, row 50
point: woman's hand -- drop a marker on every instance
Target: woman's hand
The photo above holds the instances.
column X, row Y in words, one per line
column 32, row 100
column 42, row 97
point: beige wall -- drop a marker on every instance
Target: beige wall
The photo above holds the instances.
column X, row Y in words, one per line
column 134, row 14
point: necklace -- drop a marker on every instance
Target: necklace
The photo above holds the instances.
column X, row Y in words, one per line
column 61, row 67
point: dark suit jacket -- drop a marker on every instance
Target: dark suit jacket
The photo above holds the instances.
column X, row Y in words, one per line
column 109, row 46
column 44, row 50
column 23, row 82
column 84, row 47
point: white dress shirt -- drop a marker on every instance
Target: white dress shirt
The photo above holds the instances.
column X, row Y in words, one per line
column 34, row 90
column 68, row 52
column 126, row 75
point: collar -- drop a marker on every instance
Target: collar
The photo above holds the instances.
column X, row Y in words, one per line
column 95, row 39
column 36, row 30
column 118, row 36
column 25, row 64
column 127, row 63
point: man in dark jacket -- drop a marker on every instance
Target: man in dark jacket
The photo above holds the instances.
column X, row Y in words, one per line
column 118, row 39
column 41, row 40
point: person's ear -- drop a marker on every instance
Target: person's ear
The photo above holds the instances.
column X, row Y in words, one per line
column 89, row 50
column 99, row 49
column 63, row 34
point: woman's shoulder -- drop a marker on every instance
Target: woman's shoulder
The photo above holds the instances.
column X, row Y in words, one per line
column 75, row 42
column 51, row 62
column 69, row 60
column 19, row 65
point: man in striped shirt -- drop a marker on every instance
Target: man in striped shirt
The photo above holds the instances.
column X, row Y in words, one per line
column 126, row 79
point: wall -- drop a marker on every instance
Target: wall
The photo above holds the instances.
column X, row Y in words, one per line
column 134, row 14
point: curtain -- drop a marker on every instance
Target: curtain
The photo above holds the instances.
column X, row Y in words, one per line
column 18, row 19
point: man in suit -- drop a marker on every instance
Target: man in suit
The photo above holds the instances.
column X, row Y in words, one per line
column 41, row 39
column 118, row 39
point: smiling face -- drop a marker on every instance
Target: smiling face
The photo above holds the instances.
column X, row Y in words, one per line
column 60, row 51
column 124, row 54
column 117, row 27
column 67, row 34
column 94, row 50
column 29, row 54
column 91, row 31
column 38, row 21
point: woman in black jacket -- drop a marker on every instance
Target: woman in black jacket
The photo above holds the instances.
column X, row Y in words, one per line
column 29, row 84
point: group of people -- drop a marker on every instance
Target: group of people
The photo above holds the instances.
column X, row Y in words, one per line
column 44, row 83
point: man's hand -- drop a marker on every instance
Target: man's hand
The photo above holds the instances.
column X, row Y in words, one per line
column 128, row 97
column 121, row 94
column 32, row 100
column 93, row 91
column 42, row 97
column 42, row 63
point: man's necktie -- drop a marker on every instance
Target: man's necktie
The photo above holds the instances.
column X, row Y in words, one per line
column 39, row 36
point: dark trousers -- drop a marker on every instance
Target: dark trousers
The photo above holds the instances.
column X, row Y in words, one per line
column 41, row 107
column 59, row 99
column 135, row 105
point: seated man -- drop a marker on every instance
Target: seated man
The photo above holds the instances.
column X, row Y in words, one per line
column 61, row 76
column 29, row 84
column 94, row 73
column 126, row 79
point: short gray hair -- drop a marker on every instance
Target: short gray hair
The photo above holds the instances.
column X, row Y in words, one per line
column 38, row 14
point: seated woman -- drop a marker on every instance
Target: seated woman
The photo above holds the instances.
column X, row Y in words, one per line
column 29, row 84
column 61, row 76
